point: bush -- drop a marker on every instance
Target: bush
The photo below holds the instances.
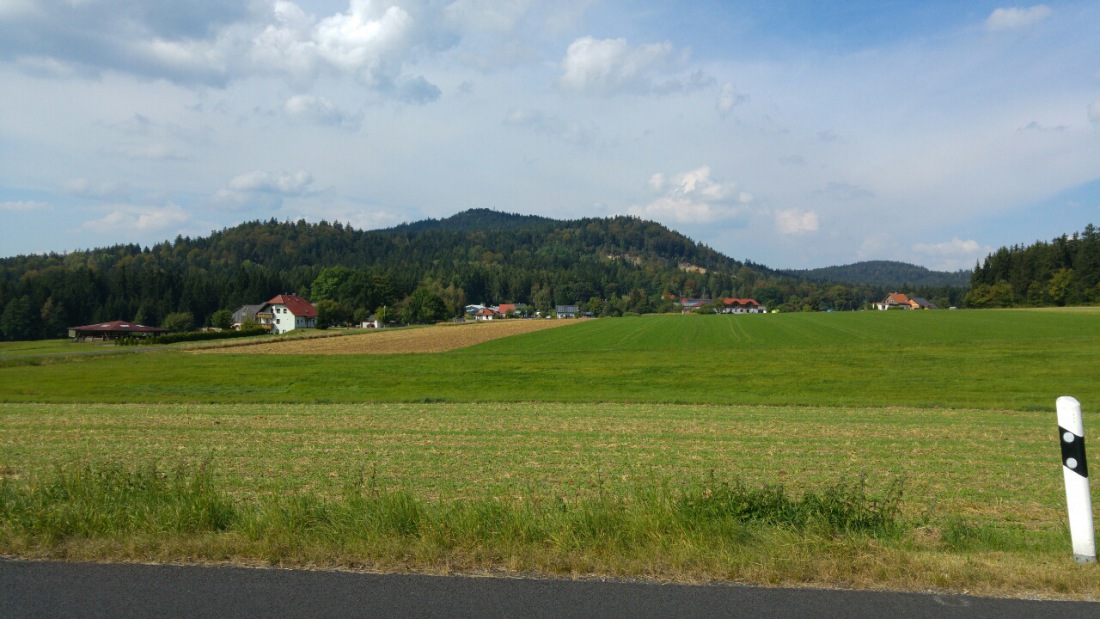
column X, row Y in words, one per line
column 202, row 336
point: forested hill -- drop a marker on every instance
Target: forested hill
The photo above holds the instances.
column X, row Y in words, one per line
column 1065, row 271
column 884, row 273
column 425, row 270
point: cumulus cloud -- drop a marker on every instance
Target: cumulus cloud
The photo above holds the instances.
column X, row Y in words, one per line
column 214, row 42
column 795, row 221
column 1015, row 18
column 954, row 254
column 142, row 219
column 728, row 99
column 611, row 66
column 692, row 197
column 321, row 111
column 367, row 41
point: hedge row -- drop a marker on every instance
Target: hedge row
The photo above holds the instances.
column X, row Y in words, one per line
column 191, row 336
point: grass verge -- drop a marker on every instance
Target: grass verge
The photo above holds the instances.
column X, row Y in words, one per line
column 699, row 530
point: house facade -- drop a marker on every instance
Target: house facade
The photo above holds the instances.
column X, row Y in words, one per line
column 894, row 300
column 732, row 305
column 567, row 311
column 484, row 314
column 286, row 313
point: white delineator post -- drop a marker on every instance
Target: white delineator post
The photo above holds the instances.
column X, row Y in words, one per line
column 1071, row 432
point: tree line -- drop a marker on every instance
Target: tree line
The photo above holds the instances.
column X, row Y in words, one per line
column 418, row 272
column 1064, row 271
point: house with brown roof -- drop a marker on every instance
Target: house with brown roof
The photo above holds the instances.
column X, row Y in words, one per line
column 286, row 313
column 894, row 300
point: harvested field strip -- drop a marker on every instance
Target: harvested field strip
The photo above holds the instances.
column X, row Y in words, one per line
column 440, row 338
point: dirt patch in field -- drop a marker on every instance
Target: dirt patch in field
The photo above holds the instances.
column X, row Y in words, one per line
column 439, row 338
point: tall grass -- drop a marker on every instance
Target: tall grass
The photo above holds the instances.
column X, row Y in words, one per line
column 107, row 500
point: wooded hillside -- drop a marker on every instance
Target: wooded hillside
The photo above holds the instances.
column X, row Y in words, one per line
column 425, row 270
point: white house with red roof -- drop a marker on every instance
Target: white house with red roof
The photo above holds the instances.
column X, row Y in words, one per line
column 286, row 313
column 734, row 305
column 485, row 313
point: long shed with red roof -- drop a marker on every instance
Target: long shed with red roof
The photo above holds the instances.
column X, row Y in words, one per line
column 113, row 330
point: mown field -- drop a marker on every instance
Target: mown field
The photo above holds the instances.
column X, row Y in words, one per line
column 599, row 448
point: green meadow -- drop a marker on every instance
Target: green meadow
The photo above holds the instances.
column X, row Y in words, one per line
column 1017, row 360
column 913, row 450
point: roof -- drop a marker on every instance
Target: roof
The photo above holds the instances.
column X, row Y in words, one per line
column 485, row 312
column 736, row 301
column 295, row 305
column 118, row 326
column 897, row 297
column 506, row 307
column 685, row 302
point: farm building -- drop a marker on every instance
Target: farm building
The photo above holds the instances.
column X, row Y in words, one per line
column 287, row 312
column 567, row 311
column 742, row 306
column 113, row 330
column 245, row 312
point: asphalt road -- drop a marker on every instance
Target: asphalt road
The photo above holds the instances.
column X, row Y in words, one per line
column 47, row 589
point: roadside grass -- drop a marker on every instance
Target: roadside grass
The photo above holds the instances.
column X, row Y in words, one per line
column 972, row 499
column 1018, row 360
column 701, row 531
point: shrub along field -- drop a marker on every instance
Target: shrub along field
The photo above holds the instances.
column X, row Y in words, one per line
column 894, row 449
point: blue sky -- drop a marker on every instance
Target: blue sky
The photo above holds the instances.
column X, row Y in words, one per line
column 793, row 134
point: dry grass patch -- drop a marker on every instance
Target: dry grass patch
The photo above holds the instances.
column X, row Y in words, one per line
column 440, row 338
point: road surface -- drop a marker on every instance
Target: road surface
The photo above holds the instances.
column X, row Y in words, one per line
column 48, row 589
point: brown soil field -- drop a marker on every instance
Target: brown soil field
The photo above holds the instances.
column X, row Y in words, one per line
column 440, row 338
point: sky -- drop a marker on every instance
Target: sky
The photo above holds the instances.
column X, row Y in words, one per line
column 791, row 133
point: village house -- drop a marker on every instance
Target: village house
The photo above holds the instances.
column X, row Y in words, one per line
column 485, row 313
column 894, row 300
column 732, row 305
column 286, row 313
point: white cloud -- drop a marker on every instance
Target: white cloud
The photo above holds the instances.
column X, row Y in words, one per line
column 692, row 197
column 283, row 183
column 142, row 219
column 611, row 66
column 795, row 221
column 321, row 111
column 368, row 42
column 952, row 255
column 84, row 188
column 1014, row 18
column 728, row 99
column 24, row 206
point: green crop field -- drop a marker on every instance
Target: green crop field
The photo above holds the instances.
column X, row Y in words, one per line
column 541, row 452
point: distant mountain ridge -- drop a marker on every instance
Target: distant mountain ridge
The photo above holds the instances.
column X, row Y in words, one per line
column 475, row 219
column 884, row 273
